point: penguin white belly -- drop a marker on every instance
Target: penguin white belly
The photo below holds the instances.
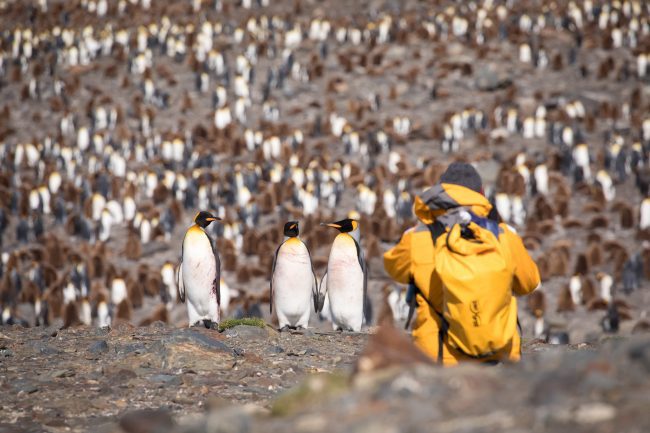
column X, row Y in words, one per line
column 199, row 274
column 345, row 284
column 292, row 284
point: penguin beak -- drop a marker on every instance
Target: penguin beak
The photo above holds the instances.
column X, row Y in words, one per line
column 336, row 226
column 213, row 219
column 293, row 226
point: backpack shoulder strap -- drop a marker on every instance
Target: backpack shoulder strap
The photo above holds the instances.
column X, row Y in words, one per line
column 436, row 229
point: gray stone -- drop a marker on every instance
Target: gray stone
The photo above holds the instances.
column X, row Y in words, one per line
column 45, row 349
column 98, row 347
column 62, row 373
column 166, row 379
column 229, row 420
column 198, row 338
column 274, row 349
column 640, row 353
column 247, row 332
column 147, row 421
column 489, row 80
column 136, row 348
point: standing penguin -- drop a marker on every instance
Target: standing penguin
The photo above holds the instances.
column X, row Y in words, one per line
column 199, row 273
column 293, row 283
column 347, row 278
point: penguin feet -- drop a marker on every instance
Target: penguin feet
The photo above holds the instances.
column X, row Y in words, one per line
column 286, row 328
column 207, row 323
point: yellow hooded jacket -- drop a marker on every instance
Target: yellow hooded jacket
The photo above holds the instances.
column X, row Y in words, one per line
column 413, row 259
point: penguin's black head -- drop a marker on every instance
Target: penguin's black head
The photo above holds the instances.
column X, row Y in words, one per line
column 344, row 226
column 203, row 219
column 291, row 229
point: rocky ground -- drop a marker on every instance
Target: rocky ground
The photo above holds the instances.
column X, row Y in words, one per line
column 249, row 379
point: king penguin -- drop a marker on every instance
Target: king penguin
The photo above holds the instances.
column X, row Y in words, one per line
column 347, row 278
column 293, row 283
column 199, row 273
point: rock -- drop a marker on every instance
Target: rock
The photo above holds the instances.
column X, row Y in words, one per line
column 147, row 421
column 247, row 332
column 25, row 386
column 117, row 375
column 62, row 373
column 166, row 379
column 274, row 349
column 45, row 349
column 229, row 420
column 489, row 80
column 191, row 349
column 98, row 347
column 592, row 413
column 640, row 352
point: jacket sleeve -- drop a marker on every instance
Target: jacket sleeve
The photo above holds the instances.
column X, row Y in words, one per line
column 527, row 277
column 397, row 260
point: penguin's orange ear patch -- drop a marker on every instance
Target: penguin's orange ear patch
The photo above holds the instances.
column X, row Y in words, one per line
column 196, row 216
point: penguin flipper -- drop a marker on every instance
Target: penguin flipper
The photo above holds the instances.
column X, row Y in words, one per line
column 179, row 282
column 319, row 298
column 216, row 284
column 275, row 259
column 367, row 307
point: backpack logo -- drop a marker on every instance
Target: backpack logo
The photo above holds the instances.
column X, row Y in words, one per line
column 476, row 317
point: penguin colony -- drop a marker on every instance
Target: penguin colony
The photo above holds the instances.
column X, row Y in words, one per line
column 120, row 120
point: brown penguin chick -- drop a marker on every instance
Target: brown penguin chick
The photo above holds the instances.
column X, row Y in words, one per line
column 229, row 261
column 542, row 266
column 592, row 208
column 372, row 247
column 641, row 327
column 158, row 315
column 133, row 248
column 531, row 243
column 243, row 274
column 135, row 293
column 71, row 315
column 96, row 266
column 557, row 263
column 249, row 242
column 123, row 311
column 536, row 303
column 588, row 290
column 626, row 217
column 564, row 300
column 572, row 223
column 153, row 285
column 385, row 312
column 582, row 265
column 599, row 222
column 389, row 347
column 543, row 209
column 597, row 304
column 594, row 255
column 54, row 251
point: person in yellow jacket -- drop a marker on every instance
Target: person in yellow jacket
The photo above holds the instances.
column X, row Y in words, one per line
column 411, row 261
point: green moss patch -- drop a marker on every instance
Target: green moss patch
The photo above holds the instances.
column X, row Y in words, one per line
column 248, row 321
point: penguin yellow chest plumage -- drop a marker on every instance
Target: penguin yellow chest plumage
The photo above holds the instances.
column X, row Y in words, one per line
column 293, row 282
column 200, row 276
column 345, row 283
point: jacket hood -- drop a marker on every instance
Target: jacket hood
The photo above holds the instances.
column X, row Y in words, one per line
column 443, row 197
